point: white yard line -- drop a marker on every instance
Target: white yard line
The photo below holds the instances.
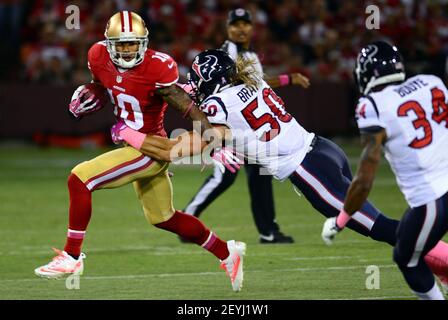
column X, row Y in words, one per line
column 161, row 250
column 194, row 274
column 382, row 298
column 322, row 258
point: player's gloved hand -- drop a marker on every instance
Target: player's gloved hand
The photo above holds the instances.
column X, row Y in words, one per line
column 83, row 102
column 330, row 230
column 186, row 87
column 115, row 131
column 226, row 158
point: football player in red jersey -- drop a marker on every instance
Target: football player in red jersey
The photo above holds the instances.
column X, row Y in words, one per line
column 141, row 82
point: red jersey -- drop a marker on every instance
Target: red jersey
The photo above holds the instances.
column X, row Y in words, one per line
column 133, row 91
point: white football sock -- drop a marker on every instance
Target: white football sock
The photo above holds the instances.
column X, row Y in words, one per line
column 433, row 294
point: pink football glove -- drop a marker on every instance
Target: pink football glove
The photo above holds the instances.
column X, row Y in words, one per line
column 226, row 158
column 115, row 131
column 83, row 102
column 186, row 87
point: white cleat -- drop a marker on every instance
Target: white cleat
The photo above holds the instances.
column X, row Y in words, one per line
column 61, row 265
column 233, row 264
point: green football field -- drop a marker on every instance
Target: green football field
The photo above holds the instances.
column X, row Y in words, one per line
column 129, row 259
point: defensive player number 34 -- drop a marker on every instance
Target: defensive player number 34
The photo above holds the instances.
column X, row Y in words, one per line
column 276, row 105
column 440, row 113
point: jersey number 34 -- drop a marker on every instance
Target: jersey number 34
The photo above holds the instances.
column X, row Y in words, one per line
column 439, row 114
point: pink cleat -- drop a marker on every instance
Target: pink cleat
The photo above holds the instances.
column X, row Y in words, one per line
column 61, row 265
column 233, row 264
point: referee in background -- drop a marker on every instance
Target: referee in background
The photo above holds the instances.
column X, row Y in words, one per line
column 240, row 30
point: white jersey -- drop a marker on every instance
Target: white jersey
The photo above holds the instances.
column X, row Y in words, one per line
column 261, row 128
column 414, row 115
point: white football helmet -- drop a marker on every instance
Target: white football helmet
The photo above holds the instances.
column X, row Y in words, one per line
column 126, row 26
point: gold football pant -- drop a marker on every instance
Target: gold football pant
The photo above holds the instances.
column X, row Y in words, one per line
column 125, row 165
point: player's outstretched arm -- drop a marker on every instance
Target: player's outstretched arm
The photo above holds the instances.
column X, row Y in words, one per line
column 361, row 185
column 288, row 79
column 180, row 100
column 187, row 144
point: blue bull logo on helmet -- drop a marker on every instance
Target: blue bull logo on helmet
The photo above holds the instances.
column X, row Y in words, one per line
column 205, row 69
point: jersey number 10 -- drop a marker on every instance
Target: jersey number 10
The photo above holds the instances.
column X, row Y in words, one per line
column 128, row 108
column 440, row 113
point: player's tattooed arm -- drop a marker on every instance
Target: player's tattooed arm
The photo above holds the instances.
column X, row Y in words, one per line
column 361, row 185
column 180, row 100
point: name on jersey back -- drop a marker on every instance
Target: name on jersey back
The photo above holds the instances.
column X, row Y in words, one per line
column 410, row 87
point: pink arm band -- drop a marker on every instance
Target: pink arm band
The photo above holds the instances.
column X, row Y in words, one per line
column 134, row 138
column 342, row 219
column 284, row 79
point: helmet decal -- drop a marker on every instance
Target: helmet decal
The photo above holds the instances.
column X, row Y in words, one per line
column 369, row 58
column 205, row 69
column 210, row 72
column 126, row 21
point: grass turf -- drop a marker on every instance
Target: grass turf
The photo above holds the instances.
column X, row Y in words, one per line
column 129, row 259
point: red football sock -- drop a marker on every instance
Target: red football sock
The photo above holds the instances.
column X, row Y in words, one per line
column 192, row 229
column 79, row 214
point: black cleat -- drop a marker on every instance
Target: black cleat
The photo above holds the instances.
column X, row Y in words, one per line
column 276, row 237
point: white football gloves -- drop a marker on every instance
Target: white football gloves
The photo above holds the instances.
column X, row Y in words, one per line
column 330, row 230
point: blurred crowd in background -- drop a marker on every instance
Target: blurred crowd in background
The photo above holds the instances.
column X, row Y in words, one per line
column 319, row 38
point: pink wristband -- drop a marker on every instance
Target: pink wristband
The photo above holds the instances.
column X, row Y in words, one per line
column 134, row 138
column 342, row 219
column 284, row 79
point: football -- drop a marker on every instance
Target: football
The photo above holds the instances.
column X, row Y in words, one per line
column 99, row 91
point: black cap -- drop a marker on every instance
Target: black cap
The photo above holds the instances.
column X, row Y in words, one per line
column 239, row 14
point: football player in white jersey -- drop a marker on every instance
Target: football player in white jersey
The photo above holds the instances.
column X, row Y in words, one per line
column 233, row 97
column 409, row 119
column 240, row 29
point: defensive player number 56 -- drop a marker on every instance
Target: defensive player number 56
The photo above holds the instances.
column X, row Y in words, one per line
column 128, row 108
